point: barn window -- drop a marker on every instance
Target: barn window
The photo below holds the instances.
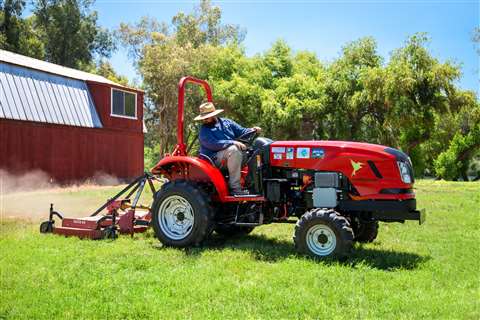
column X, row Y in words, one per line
column 124, row 104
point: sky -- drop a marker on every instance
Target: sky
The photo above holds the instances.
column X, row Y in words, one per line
column 324, row 27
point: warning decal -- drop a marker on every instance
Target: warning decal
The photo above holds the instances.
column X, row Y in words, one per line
column 278, row 150
column 277, row 156
column 303, row 153
column 318, row 153
column 290, row 153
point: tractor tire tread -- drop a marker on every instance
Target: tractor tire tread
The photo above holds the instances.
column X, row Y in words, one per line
column 340, row 225
column 366, row 233
column 204, row 225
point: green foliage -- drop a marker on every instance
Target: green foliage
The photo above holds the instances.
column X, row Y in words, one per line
column 18, row 34
column 204, row 26
column 60, row 31
column 410, row 102
column 70, row 32
column 164, row 53
column 454, row 162
column 105, row 69
column 151, row 156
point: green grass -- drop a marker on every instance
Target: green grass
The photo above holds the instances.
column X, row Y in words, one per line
column 409, row 272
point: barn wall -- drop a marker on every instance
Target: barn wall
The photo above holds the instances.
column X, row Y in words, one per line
column 101, row 94
column 70, row 153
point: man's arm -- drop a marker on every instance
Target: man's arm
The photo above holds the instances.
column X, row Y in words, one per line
column 237, row 129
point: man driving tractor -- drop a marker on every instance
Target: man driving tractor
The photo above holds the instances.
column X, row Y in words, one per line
column 217, row 141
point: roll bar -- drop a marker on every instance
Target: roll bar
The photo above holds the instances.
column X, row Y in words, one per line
column 180, row 148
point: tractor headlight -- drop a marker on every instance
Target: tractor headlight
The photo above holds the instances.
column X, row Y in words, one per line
column 404, row 172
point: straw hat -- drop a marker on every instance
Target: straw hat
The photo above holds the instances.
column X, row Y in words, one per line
column 207, row 110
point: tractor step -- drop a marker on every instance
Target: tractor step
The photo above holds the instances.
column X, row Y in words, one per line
column 249, row 197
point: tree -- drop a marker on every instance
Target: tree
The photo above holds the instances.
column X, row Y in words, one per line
column 18, row 34
column 454, row 162
column 70, row 32
column 163, row 57
column 10, row 23
column 204, row 26
column 105, row 69
column 278, row 59
column 351, row 89
column 417, row 87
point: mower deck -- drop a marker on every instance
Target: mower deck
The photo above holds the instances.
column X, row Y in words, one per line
column 121, row 214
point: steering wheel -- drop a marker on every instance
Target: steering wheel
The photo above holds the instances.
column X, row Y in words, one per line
column 248, row 137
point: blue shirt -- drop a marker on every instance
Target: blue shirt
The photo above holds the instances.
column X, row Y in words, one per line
column 219, row 136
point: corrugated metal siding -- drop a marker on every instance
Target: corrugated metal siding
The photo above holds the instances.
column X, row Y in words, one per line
column 32, row 95
column 69, row 153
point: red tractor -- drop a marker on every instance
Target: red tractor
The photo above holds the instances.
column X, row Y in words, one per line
column 338, row 191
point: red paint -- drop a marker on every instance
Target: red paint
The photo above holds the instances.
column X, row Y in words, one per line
column 102, row 95
column 68, row 153
column 180, row 149
column 193, row 168
column 338, row 157
column 180, row 166
column 77, row 232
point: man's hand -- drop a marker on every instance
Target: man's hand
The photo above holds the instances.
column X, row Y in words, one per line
column 239, row 145
column 257, row 129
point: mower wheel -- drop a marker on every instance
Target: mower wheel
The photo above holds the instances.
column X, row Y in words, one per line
column 109, row 233
column 46, row 227
column 228, row 230
column 181, row 214
column 323, row 233
column 365, row 231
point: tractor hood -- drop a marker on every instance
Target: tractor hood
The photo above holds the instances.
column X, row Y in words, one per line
column 362, row 163
column 321, row 149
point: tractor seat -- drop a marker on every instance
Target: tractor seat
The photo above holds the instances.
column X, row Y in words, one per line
column 223, row 168
column 206, row 158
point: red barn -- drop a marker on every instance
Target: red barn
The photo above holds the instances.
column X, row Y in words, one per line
column 70, row 124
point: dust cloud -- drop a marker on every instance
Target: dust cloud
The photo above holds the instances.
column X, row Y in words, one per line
column 28, row 196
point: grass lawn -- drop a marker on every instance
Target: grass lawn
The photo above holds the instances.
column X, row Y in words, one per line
column 409, row 272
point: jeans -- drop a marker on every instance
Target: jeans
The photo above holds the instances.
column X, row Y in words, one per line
column 233, row 157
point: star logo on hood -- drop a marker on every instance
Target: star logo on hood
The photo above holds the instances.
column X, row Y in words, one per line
column 356, row 166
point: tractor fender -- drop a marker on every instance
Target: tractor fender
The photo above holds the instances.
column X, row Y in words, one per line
column 194, row 169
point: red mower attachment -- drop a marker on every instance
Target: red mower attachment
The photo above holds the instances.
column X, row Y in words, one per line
column 122, row 215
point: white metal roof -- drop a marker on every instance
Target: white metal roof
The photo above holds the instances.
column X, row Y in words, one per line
column 32, row 95
column 24, row 61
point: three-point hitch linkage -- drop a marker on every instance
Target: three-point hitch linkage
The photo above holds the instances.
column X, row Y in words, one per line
column 123, row 214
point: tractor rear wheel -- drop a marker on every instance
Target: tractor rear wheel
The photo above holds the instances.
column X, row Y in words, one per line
column 181, row 214
column 365, row 231
column 323, row 233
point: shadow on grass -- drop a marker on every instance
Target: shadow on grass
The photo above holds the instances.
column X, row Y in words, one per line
column 263, row 248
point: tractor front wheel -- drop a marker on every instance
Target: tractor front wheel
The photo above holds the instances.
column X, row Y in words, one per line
column 323, row 233
column 181, row 214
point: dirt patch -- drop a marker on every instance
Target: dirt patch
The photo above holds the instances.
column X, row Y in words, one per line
column 29, row 195
column 72, row 201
